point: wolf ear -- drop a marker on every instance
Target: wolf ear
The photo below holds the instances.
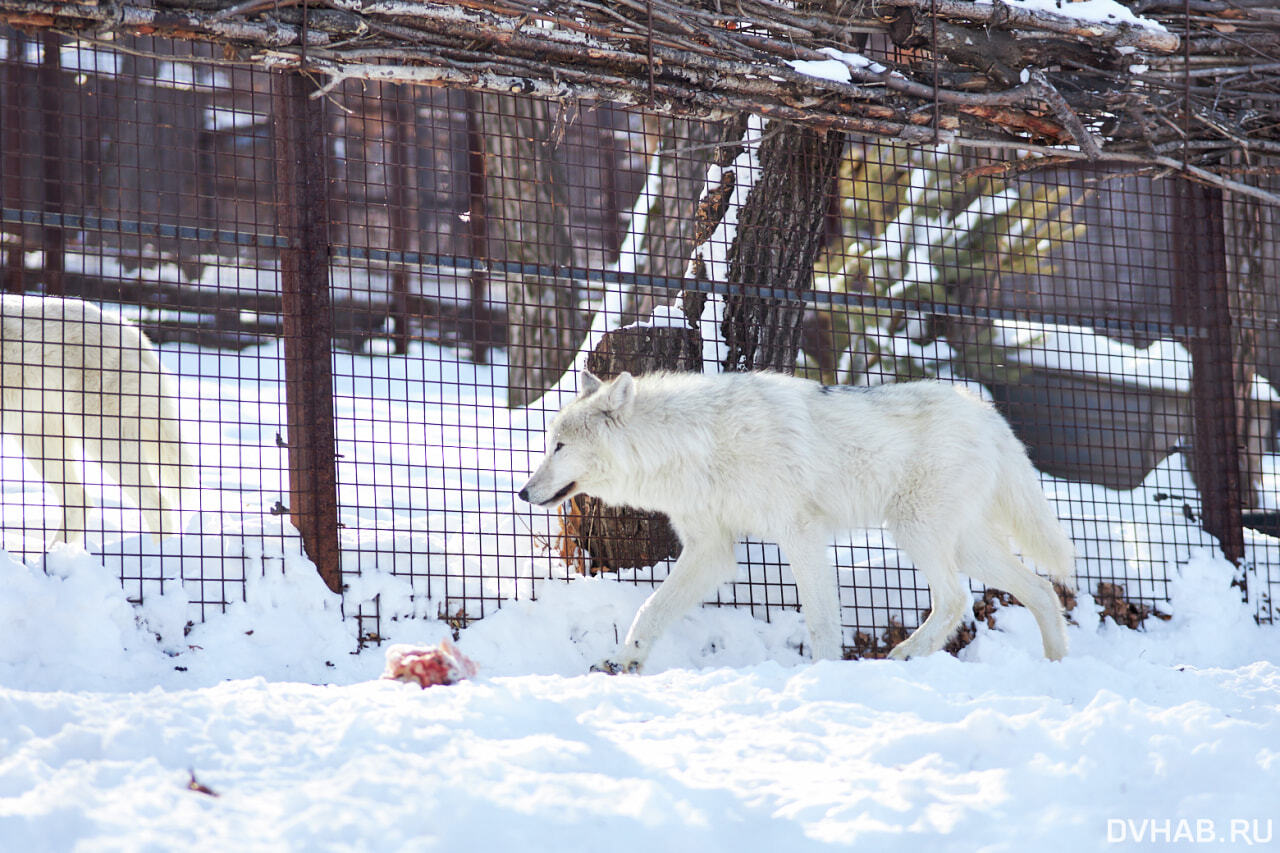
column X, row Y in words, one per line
column 588, row 384
column 621, row 396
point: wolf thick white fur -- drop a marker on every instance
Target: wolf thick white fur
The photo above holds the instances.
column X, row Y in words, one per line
column 794, row 462
column 76, row 380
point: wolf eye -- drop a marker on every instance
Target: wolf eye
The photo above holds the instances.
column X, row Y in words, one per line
column 559, row 445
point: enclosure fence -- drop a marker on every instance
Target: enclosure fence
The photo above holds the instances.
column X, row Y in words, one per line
column 369, row 304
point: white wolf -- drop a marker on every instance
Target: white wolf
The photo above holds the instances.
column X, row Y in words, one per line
column 793, row 462
column 75, row 379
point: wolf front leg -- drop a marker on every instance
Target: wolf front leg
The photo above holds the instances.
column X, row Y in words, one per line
column 706, row 561
column 819, row 592
column 125, row 460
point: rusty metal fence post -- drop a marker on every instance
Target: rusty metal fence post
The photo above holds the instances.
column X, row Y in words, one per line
column 12, row 148
column 52, row 238
column 401, row 138
column 302, row 205
column 1202, row 300
column 477, row 228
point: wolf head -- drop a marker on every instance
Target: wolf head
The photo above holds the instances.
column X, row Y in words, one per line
column 574, row 463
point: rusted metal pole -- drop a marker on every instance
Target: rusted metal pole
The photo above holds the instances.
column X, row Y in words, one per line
column 402, row 120
column 302, row 211
column 1202, row 299
column 52, row 239
column 12, row 160
column 477, row 229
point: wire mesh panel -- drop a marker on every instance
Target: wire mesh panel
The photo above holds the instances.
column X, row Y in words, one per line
column 367, row 304
column 136, row 185
column 1022, row 290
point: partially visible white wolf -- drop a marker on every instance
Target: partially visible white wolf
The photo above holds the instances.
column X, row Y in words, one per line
column 794, row 462
column 73, row 380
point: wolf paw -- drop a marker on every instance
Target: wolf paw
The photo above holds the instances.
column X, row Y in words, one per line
column 612, row 668
column 901, row 652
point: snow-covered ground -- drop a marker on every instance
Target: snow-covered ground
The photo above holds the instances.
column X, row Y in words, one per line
column 731, row 741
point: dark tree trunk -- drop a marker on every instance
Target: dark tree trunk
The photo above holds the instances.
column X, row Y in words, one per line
column 611, row 538
column 1245, row 247
column 530, row 212
column 711, row 209
column 780, row 233
column 668, row 241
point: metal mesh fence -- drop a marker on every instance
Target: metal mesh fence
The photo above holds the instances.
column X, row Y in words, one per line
column 369, row 305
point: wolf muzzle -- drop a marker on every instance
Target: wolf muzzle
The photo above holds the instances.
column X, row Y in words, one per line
column 523, row 494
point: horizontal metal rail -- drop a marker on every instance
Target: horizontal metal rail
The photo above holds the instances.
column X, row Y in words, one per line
column 597, row 277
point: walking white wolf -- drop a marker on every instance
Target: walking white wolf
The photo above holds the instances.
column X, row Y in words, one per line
column 75, row 379
column 794, row 462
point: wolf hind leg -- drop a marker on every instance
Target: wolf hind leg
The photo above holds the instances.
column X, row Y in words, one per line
column 124, row 461
column 936, row 558
column 819, row 592
column 703, row 565
column 48, row 450
column 176, row 466
column 990, row 562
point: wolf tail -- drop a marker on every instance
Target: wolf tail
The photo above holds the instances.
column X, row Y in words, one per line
column 1030, row 517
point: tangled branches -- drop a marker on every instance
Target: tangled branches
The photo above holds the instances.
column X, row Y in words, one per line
column 1175, row 84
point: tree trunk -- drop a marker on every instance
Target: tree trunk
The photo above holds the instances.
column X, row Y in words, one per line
column 663, row 251
column 780, row 233
column 1245, row 242
column 530, row 218
column 711, row 208
column 610, row 538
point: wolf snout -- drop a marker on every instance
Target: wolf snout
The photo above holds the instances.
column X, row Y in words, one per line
column 560, row 495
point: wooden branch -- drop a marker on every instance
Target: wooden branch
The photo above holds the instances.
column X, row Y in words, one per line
column 707, row 105
column 1011, row 17
column 1060, row 109
column 145, row 20
column 1142, row 162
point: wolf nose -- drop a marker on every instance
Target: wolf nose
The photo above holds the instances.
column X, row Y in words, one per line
column 523, row 494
